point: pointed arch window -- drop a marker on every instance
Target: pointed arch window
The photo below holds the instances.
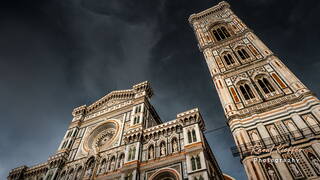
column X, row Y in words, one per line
column 221, row 33
column 132, row 153
column 246, row 92
column 265, row 85
column 243, row 54
column 194, row 136
column 121, row 160
column 112, row 164
column 189, row 137
column 228, row 59
column 103, row 166
column 198, row 162
column 193, row 163
column 79, row 173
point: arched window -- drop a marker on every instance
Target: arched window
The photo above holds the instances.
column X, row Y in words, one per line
column 90, row 167
column 79, row 173
column 189, row 137
column 265, row 85
column 194, row 137
column 225, row 31
column 228, row 59
column 151, row 152
column 246, row 91
column 132, row 153
column 220, row 33
column 193, row 163
column 112, row 163
column 243, row 54
column 69, row 177
column 63, row 175
column 201, row 178
column 103, row 166
column 198, row 162
column 121, row 160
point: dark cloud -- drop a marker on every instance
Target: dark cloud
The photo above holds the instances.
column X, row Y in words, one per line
column 56, row 55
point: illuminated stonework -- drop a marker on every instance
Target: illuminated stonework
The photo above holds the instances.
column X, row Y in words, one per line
column 266, row 105
column 121, row 137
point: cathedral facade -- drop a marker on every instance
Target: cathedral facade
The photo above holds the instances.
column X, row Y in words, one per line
column 121, row 137
column 273, row 116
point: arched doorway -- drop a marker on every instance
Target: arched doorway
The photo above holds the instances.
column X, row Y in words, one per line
column 165, row 174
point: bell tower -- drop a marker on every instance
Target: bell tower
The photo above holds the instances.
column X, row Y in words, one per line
column 269, row 110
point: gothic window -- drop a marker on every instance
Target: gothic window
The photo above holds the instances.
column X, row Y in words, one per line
column 90, row 167
column 132, row 153
column 69, row 133
column 220, row 33
column 103, row 166
column 195, row 162
column 201, row 178
column 136, row 120
column 243, row 54
column 121, row 160
column 198, row 162
column 192, row 137
column 151, row 152
column 75, row 133
column 112, row 163
column 228, row 59
column 64, row 144
column 138, row 109
column 189, row 137
column 70, row 175
column 70, row 144
column 265, row 85
column 246, row 92
column 78, row 173
column 63, row 174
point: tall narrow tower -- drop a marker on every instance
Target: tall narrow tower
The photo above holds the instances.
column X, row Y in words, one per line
column 267, row 107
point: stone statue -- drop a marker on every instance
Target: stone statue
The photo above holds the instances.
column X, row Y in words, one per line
column 89, row 171
column 112, row 165
column 316, row 163
column 295, row 169
column 175, row 146
column 272, row 173
column 103, row 167
column 151, row 153
column 163, row 149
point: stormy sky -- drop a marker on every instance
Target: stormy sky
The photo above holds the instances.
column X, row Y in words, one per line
column 59, row 54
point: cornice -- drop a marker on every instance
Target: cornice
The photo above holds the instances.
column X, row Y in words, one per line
column 213, row 10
